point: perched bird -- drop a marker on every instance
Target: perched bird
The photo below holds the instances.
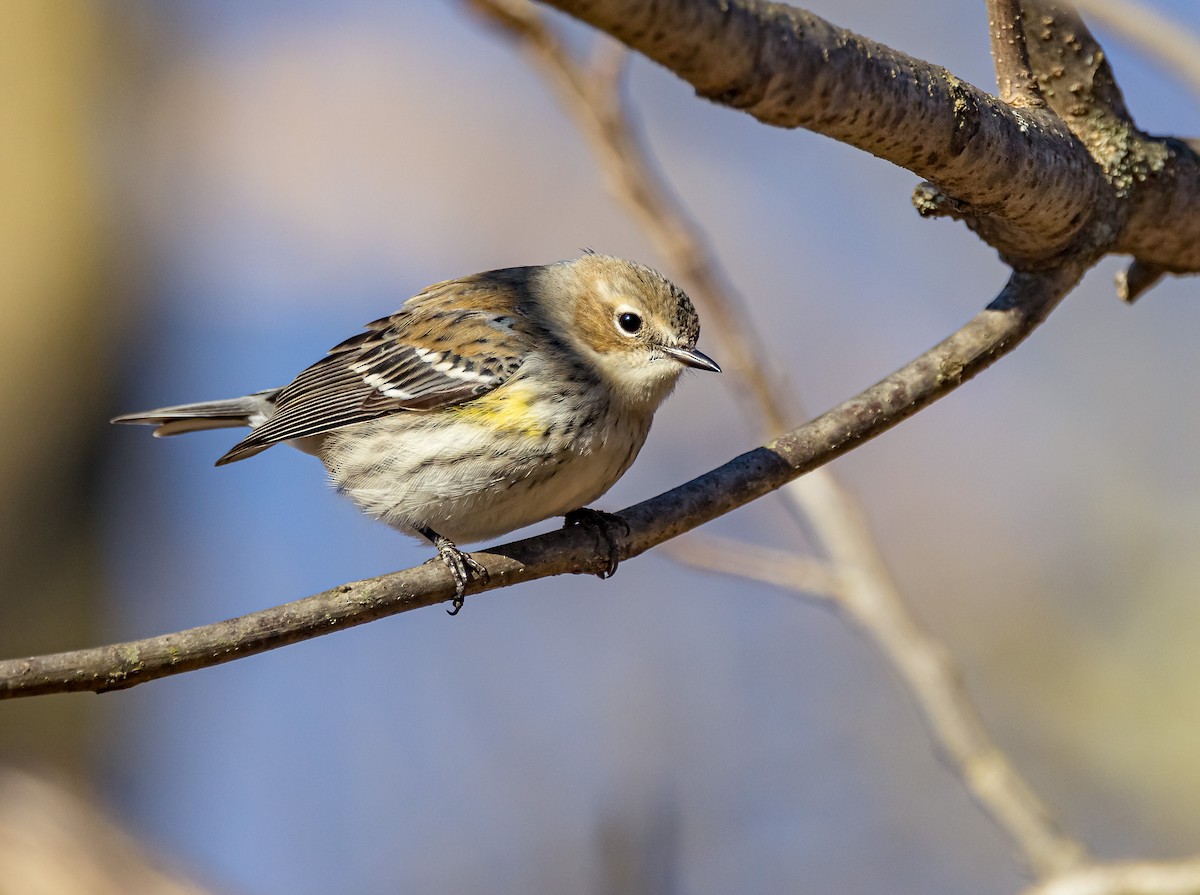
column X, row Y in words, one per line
column 484, row 404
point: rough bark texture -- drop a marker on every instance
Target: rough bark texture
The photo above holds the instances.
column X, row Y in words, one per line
column 1023, row 178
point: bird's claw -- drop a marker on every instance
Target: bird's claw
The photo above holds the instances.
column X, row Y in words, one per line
column 461, row 567
column 602, row 524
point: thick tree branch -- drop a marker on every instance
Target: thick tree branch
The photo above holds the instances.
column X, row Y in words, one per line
column 790, row 68
column 1077, row 81
column 1020, row 307
column 1033, row 188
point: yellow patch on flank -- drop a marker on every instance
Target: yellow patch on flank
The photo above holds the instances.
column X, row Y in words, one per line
column 508, row 409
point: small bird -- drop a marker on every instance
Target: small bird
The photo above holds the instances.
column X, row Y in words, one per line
column 484, row 404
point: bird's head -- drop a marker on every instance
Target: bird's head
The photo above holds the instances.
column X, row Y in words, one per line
column 637, row 328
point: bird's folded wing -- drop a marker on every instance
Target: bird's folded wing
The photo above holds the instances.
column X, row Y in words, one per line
column 444, row 347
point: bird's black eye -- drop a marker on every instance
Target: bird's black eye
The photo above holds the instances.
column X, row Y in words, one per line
column 629, row 322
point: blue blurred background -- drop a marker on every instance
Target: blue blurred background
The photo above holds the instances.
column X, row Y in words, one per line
column 205, row 196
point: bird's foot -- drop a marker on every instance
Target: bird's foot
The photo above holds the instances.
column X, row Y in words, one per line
column 603, row 525
column 460, row 565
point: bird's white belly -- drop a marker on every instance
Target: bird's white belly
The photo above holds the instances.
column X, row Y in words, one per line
column 460, row 482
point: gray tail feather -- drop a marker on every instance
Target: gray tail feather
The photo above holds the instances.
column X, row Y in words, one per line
column 251, row 410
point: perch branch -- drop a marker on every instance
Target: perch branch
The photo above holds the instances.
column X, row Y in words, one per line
column 994, row 332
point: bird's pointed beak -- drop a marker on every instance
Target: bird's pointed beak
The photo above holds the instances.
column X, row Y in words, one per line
column 692, row 357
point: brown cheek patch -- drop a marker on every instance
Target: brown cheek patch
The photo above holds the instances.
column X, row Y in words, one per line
column 594, row 323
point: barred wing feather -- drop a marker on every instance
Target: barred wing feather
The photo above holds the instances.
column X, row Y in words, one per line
column 425, row 357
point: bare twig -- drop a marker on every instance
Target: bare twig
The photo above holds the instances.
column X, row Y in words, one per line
column 1013, row 77
column 990, row 335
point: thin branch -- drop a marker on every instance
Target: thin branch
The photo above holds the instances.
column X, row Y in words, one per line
column 991, row 334
column 1133, row 878
column 1015, row 81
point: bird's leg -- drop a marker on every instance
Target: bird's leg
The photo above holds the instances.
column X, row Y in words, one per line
column 603, row 524
column 460, row 565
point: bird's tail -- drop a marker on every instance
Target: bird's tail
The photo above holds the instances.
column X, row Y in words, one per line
column 251, row 410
